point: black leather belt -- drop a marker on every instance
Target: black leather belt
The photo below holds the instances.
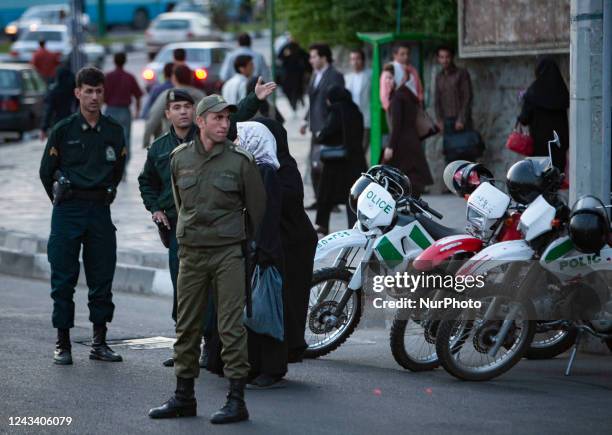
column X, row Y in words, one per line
column 89, row 195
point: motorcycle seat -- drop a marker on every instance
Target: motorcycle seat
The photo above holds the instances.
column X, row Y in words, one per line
column 436, row 230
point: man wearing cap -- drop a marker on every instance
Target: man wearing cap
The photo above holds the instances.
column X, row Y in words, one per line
column 155, row 183
column 220, row 200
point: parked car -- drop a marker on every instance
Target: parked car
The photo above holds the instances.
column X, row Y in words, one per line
column 43, row 14
column 178, row 27
column 58, row 40
column 204, row 59
column 22, row 93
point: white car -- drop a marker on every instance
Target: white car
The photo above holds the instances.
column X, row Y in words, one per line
column 178, row 27
column 44, row 14
column 57, row 40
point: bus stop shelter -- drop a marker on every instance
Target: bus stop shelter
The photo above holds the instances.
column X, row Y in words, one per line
column 379, row 42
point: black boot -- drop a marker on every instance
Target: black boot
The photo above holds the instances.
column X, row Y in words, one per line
column 182, row 404
column 169, row 362
column 235, row 409
column 99, row 349
column 63, row 349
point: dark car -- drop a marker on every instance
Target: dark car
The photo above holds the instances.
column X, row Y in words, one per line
column 21, row 98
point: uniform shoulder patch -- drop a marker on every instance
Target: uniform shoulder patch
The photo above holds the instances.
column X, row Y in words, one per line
column 112, row 120
column 180, row 148
column 243, row 152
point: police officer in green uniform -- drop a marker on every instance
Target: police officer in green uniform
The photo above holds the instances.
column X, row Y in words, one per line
column 82, row 165
column 220, row 200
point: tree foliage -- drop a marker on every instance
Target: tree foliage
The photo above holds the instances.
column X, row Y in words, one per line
column 337, row 21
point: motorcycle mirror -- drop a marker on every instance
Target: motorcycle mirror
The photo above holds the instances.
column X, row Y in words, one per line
column 555, row 141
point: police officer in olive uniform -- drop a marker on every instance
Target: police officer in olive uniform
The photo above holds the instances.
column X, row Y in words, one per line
column 220, row 200
column 81, row 167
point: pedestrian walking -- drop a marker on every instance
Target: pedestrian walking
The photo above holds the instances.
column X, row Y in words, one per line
column 293, row 69
column 299, row 242
column 158, row 89
column 358, row 82
column 220, row 200
column 544, row 109
column 244, row 48
column 324, row 76
column 60, row 101
column 404, row 150
column 121, row 87
column 235, row 89
column 45, row 62
column 404, row 72
column 81, row 166
column 343, row 128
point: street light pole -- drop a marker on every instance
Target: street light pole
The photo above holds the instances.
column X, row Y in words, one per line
column 101, row 18
column 272, row 19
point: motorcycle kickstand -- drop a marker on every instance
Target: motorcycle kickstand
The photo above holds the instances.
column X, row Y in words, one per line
column 572, row 358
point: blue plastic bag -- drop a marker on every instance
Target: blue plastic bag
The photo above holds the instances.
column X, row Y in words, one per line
column 267, row 303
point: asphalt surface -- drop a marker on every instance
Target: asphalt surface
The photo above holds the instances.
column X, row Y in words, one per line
column 357, row 389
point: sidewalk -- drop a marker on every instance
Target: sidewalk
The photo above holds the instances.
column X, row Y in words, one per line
column 25, row 213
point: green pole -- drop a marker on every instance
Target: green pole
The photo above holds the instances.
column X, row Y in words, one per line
column 376, row 112
column 101, row 18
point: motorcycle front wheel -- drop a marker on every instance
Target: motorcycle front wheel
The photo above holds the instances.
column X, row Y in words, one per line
column 325, row 332
column 463, row 342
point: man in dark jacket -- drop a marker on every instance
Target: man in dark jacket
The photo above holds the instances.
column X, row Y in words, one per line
column 323, row 77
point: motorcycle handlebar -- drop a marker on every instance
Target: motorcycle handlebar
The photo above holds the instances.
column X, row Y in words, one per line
column 419, row 203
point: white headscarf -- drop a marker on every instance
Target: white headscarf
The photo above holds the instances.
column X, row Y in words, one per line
column 259, row 141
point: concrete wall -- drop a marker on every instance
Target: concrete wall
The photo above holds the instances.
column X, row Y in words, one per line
column 496, row 83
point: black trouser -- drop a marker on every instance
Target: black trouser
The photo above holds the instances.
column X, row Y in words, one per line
column 324, row 212
column 316, row 167
column 88, row 223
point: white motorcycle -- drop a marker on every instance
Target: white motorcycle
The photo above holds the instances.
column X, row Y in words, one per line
column 392, row 229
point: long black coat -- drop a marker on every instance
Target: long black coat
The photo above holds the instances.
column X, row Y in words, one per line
column 299, row 241
column 343, row 126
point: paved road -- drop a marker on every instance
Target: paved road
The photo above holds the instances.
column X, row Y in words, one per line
column 357, row 389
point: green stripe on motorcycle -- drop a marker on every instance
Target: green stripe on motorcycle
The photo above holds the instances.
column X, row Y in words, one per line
column 559, row 251
column 419, row 238
column 387, row 251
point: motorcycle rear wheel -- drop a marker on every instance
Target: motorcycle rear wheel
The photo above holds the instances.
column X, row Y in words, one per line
column 328, row 339
column 550, row 347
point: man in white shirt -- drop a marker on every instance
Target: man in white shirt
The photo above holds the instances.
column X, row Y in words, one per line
column 235, row 89
column 358, row 83
column 259, row 63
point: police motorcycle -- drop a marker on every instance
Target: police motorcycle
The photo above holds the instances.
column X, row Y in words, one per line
column 480, row 344
column 392, row 228
column 492, row 217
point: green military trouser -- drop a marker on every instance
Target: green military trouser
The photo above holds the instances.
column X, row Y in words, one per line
column 220, row 270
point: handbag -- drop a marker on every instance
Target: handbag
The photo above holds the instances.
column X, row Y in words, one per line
column 425, row 126
column 519, row 141
column 461, row 145
column 267, row 316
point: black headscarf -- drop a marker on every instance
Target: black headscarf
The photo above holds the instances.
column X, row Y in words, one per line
column 280, row 134
column 339, row 94
column 548, row 90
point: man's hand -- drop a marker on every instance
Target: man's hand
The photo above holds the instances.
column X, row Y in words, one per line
column 43, row 135
column 160, row 217
column 459, row 125
column 303, row 129
column 387, row 154
column 440, row 126
column 263, row 90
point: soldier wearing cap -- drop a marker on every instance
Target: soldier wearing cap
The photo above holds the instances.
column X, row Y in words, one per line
column 82, row 164
column 220, row 199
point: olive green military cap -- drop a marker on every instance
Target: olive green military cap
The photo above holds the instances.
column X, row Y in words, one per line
column 213, row 103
